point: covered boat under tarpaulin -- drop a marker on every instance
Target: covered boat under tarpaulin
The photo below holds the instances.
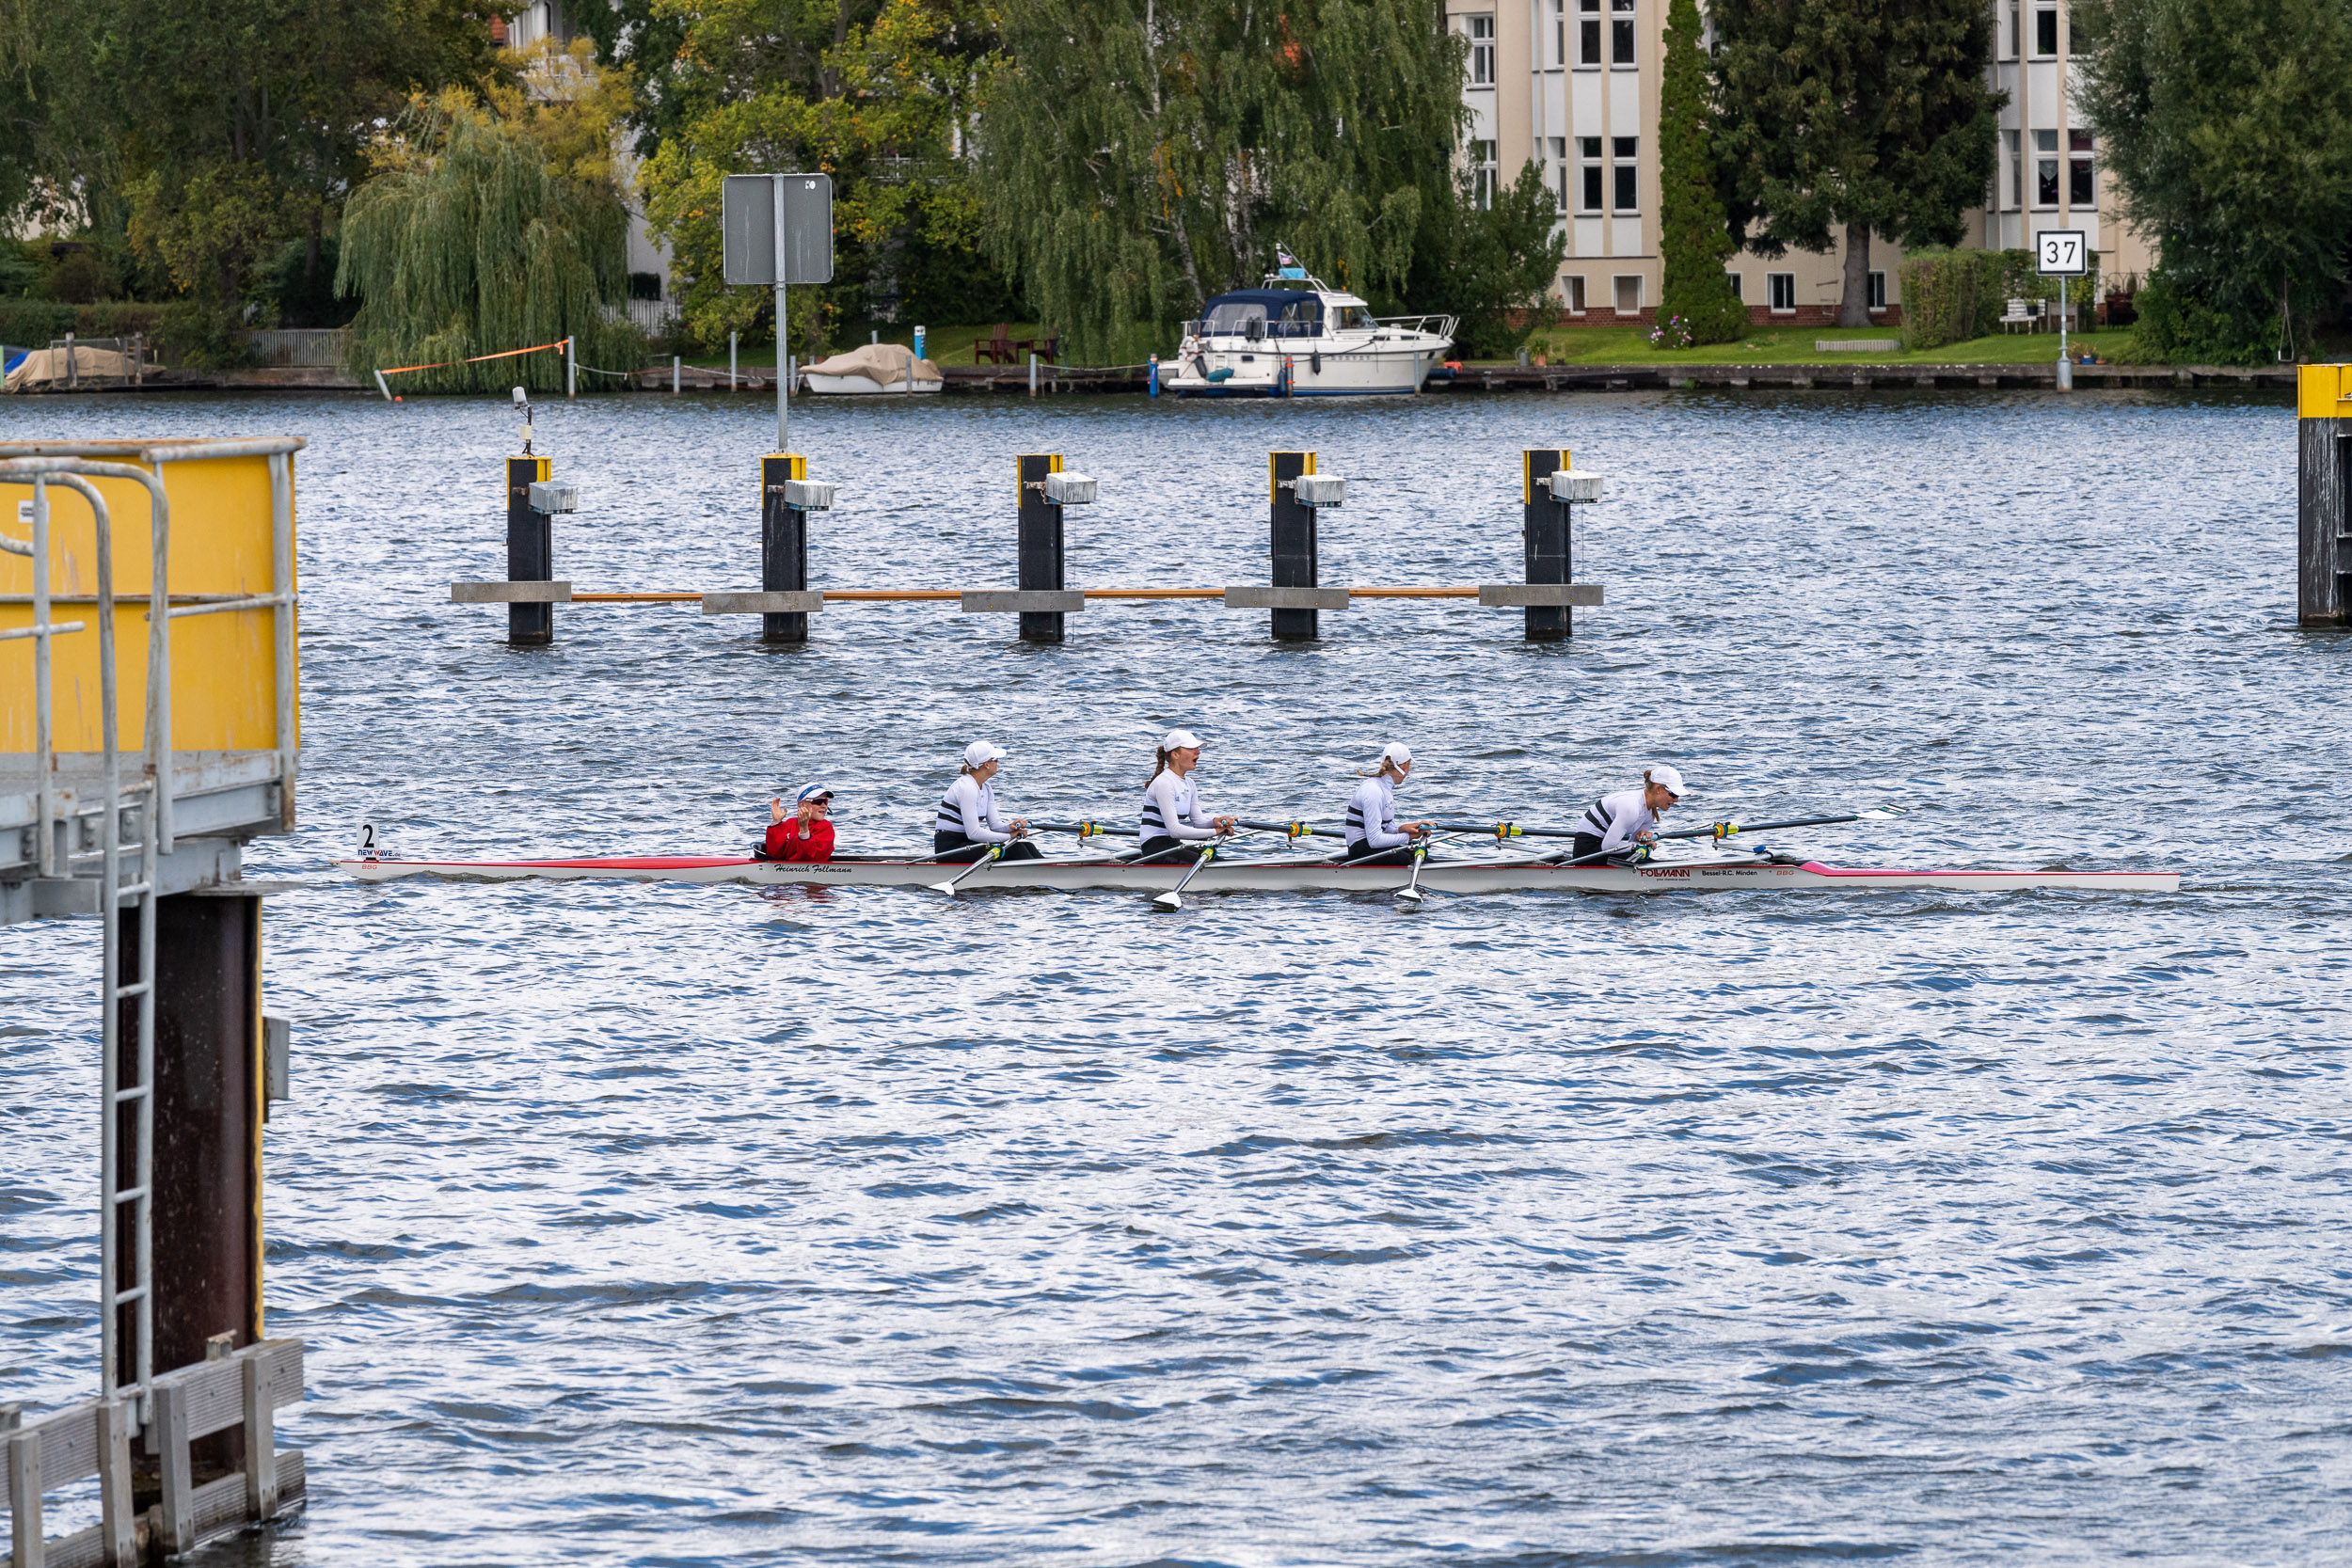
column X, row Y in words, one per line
column 51, row 366
column 876, row 368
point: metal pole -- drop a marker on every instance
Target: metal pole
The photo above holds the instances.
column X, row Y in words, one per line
column 42, row 739
column 783, row 546
column 571, row 367
column 730, row 361
column 1292, row 544
column 1038, row 542
column 784, row 333
column 282, row 583
column 676, row 360
column 1545, row 522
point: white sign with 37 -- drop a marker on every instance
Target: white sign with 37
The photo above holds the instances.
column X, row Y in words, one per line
column 2062, row 252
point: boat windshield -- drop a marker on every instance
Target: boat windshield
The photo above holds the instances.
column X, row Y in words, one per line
column 1245, row 318
column 1350, row 318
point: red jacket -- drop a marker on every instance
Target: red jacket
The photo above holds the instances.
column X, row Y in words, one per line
column 785, row 842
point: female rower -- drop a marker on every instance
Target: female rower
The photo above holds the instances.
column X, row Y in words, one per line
column 806, row 834
column 1614, row 825
column 1374, row 837
column 1173, row 830
column 968, row 822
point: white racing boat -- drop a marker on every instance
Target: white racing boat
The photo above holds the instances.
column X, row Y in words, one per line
column 1755, row 871
column 1298, row 337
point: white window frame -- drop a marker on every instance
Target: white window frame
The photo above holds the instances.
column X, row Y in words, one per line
column 1591, row 176
column 1625, row 162
column 1572, row 291
column 1616, row 292
column 2041, row 10
column 1779, row 286
column 2082, row 152
column 1875, row 291
column 2047, row 159
column 1482, row 49
column 1485, row 167
column 1622, row 28
column 1590, row 36
column 1738, row 290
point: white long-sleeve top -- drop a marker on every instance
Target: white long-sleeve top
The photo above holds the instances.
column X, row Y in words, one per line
column 1618, row 817
column 1372, row 815
column 1171, row 809
column 969, row 808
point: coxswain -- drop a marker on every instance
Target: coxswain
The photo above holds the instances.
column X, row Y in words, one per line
column 968, row 823
column 1374, row 837
column 1618, row 825
column 804, row 836
column 1172, row 829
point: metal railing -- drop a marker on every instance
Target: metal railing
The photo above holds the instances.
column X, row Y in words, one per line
column 58, row 464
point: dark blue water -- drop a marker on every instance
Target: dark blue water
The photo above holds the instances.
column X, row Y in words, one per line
column 664, row 1226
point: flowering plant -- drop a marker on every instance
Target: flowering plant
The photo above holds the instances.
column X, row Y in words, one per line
column 1673, row 332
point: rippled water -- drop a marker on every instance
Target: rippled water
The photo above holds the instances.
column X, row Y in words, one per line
column 667, row 1226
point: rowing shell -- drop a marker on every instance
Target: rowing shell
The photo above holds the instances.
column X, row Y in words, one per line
column 1298, row 875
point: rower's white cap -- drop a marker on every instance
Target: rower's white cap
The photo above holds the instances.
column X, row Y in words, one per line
column 1179, row 740
column 980, row 754
column 813, row 791
column 1397, row 752
column 1669, row 780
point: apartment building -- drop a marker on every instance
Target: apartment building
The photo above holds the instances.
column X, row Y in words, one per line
column 1573, row 86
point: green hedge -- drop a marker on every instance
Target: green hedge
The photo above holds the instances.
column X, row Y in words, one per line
column 32, row 323
column 1950, row 296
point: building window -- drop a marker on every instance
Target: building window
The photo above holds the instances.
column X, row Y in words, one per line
column 1783, row 287
column 1629, row 294
column 1559, row 32
column 2045, row 30
column 1588, row 32
column 1877, row 290
column 2016, row 171
column 2082, row 175
column 1482, row 61
column 1625, row 188
column 1733, row 278
column 1560, row 157
column 1573, row 285
column 1620, row 32
column 2011, row 39
column 1482, row 156
column 1588, row 174
column 2045, row 168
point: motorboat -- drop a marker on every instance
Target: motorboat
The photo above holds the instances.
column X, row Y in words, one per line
column 1298, row 337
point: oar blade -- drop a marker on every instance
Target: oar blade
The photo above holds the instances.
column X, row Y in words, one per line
column 947, row 888
column 1171, row 899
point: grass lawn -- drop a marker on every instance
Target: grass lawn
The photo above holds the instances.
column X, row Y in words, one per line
column 1598, row 345
column 1783, row 345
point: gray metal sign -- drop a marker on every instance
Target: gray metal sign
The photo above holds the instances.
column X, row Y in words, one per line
column 748, row 219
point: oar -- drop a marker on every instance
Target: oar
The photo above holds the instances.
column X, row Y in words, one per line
column 1721, row 830
column 1291, row 830
column 1713, row 829
column 1174, row 899
column 949, row 886
column 1084, row 829
column 1411, row 891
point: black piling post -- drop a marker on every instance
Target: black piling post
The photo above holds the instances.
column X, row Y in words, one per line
column 2323, row 578
column 529, row 552
column 782, row 546
column 1547, row 527
column 1040, row 545
column 1294, row 542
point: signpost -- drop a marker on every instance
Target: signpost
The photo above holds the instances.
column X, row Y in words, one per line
column 777, row 229
column 2062, row 253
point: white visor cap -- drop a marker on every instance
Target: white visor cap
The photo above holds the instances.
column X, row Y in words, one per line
column 980, row 754
column 1668, row 779
column 1397, row 752
column 1180, row 740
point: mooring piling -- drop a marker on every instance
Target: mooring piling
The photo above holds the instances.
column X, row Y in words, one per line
column 2323, row 578
column 787, row 497
column 530, row 551
column 1294, row 494
column 1043, row 600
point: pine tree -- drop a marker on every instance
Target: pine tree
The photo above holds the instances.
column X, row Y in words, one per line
column 1694, row 232
column 1872, row 114
column 1134, row 161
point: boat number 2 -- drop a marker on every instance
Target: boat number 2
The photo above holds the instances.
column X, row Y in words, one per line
column 367, row 841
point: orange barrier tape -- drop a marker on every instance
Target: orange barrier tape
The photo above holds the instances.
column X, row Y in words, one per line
column 502, row 354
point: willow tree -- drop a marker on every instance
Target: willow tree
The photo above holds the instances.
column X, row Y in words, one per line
column 1136, row 159
column 492, row 226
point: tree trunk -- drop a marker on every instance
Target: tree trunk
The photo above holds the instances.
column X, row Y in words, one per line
column 1854, row 309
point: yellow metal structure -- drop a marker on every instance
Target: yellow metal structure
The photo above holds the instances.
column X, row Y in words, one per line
column 1527, row 475
column 224, row 666
column 2323, row 391
column 1272, row 485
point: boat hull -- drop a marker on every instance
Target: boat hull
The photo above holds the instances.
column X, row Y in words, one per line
column 1730, row 875
column 861, row 387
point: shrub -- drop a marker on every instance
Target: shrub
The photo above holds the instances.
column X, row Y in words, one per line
column 32, row 323
column 201, row 336
column 1951, row 295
